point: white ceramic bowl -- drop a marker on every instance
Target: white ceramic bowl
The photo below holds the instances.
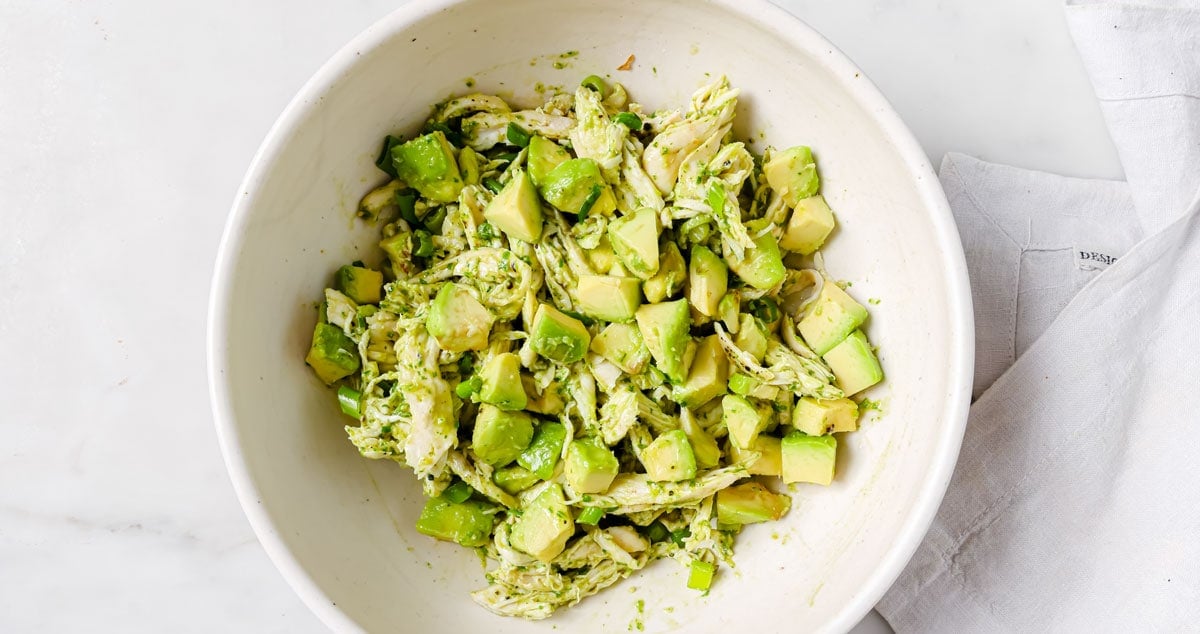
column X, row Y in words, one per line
column 340, row 527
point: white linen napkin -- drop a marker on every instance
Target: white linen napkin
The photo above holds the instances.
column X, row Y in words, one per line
column 1076, row 505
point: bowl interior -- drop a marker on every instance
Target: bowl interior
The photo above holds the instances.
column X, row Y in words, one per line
column 341, row 527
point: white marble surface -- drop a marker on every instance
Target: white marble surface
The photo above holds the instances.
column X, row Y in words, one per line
column 124, row 129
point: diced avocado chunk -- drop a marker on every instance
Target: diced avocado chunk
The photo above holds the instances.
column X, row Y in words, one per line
column 792, row 173
column 817, row 418
column 831, row 317
column 810, row 224
column 727, row 312
column 363, row 285
column 672, row 273
column 708, row 376
column 514, row 479
column 468, row 523
column 634, row 239
column 557, row 336
column 543, row 401
column 502, row 387
column 760, row 267
column 570, row 184
column 854, row 364
column 333, row 355
column 665, row 329
column 499, row 437
column 427, row 164
column 808, row 458
column 544, row 526
column 590, row 466
column 602, row 257
column 750, row 503
column 541, row 456
column 544, row 155
column 708, row 279
column 669, row 458
column 517, row 210
column 457, row 320
column 622, row 345
column 708, row 452
column 746, row 385
column 770, row 460
column 751, row 336
column 609, row 298
column 742, row 419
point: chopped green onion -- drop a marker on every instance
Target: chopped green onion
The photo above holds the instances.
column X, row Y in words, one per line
column 422, row 244
column 493, row 185
column 590, row 515
column 516, row 135
column 657, row 532
column 452, row 135
column 433, row 219
column 466, row 364
column 407, row 202
column 458, row 492
column 680, row 535
column 594, row 82
column 384, row 162
column 465, row 389
column 629, row 120
column 350, row 401
column 764, row 308
column 588, row 202
column 701, row 575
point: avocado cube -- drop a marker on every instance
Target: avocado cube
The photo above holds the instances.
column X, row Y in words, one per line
column 634, row 239
column 727, row 312
column 542, row 454
column 609, row 298
column 514, row 478
column 547, row 401
column 499, row 437
column 817, row 418
column 622, row 345
column 590, row 466
column 571, row 183
column 457, row 320
column 427, row 164
column 544, row 155
column 854, row 364
column 748, row 386
column 742, row 419
column 708, row 376
column 332, row 355
column 517, row 210
column 557, row 336
column 601, row 258
column 792, row 173
column 750, row 503
column 760, row 267
column 751, row 336
column 467, row 523
column 808, row 458
column 666, row 329
column 669, row 458
column 360, row 284
column 671, row 275
column 708, row 279
column 544, row 526
column 810, row 224
column 704, row 446
column 831, row 317
column 502, row 387
column 770, row 460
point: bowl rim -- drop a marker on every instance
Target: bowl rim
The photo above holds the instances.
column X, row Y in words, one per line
column 766, row 16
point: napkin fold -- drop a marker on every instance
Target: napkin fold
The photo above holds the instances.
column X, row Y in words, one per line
column 1075, row 505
